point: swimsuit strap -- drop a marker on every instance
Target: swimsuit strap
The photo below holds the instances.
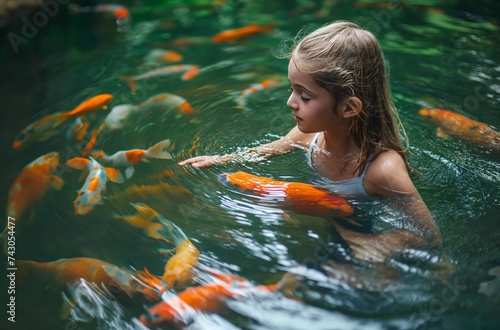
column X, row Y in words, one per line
column 311, row 146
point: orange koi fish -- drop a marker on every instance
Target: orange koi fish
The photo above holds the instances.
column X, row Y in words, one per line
column 209, row 297
column 90, row 194
column 94, row 103
column 241, row 33
column 266, row 84
column 189, row 72
column 128, row 158
column 179, row 268
column 460, row 127
column 39, row 131
column 300, row 197
column 144, row 193
column 30, row 186
column 162, row 55
column 93, row 270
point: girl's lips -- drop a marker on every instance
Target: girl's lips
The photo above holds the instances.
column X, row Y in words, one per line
column 296, row 118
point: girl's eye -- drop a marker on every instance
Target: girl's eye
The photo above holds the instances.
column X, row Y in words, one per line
column 305, row 99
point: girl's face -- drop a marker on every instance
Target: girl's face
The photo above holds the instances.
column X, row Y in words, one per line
column 312, row 105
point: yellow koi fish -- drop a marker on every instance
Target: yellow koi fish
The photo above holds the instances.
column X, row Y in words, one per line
column 31, row 185
column 460, row 127
column 179, row 269
column 128, row 158
column 89, row 196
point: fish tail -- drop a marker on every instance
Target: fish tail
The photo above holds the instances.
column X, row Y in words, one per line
column 78, row 163
column 159, row 150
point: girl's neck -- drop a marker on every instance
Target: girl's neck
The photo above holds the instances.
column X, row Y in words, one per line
column 337, row 144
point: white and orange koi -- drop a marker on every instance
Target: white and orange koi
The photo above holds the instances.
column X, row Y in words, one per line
column 90, row 105
column 128, row 158
column 254, row 88
column 178, row 270
column 30, row 186
column 120, row 12
column 162, row 56
column 188, row 72
column 78, row 129
column 118, row 116
column 165, row 101
column 89, row 196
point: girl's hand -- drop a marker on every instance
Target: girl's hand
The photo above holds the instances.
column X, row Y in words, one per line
column 206, row 161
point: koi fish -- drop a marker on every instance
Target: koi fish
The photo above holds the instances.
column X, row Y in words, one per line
column 128, row 158
column 94, row 103
column 90, row 194
column 39, row 131
column 92, row 270
column 118, row 116
column 460, row 127
column 300, row 197
column 241, row 33
column 266, row 84
column 78, row 129
column 30, row 186
column 178, row 194
column 209, row 297
column 165, row 101
column 188, row 72
column 178, row 270
column 162, row 55
column 120, row 12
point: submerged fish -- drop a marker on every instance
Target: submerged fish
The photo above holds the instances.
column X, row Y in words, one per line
column 39, row 131
column 188, row 71
column 163, row 55
column 254, row 88
column 30, row 186
column 90, row 105
column 128, row 158
column 210, row 297
column 70, row 270
column 178, row 271
column 89, row 196
column 460, row 127
column 241, row 33
column 299, row 197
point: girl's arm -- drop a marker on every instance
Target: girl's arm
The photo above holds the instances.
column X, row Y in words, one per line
column 388, row 177
column 290, row 142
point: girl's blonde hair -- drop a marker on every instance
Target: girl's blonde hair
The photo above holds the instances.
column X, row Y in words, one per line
column 347, row 61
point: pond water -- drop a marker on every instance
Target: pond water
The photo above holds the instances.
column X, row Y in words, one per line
column 441, row 54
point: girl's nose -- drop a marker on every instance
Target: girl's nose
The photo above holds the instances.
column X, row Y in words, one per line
column 291, row 103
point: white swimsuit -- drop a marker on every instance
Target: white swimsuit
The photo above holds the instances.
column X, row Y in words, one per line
column 352, row 188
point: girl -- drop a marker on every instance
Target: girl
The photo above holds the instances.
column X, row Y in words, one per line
column 346, row 122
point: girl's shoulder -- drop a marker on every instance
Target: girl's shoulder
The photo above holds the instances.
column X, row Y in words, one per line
column 300, row 138
column 387, row 175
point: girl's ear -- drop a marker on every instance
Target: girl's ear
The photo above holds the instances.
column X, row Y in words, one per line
column 352, row 107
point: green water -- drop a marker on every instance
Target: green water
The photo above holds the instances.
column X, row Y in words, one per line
column 440, row 54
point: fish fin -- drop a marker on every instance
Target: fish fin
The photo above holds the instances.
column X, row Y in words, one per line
column 129, row 171
column 159, row 150
column 144, row 211
column 62, row 119
column 78, row 163
column 165, row 251
column 287, row 284
column 151, row 282
column 114, row 175
column 441, row 133
column 56, row 182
